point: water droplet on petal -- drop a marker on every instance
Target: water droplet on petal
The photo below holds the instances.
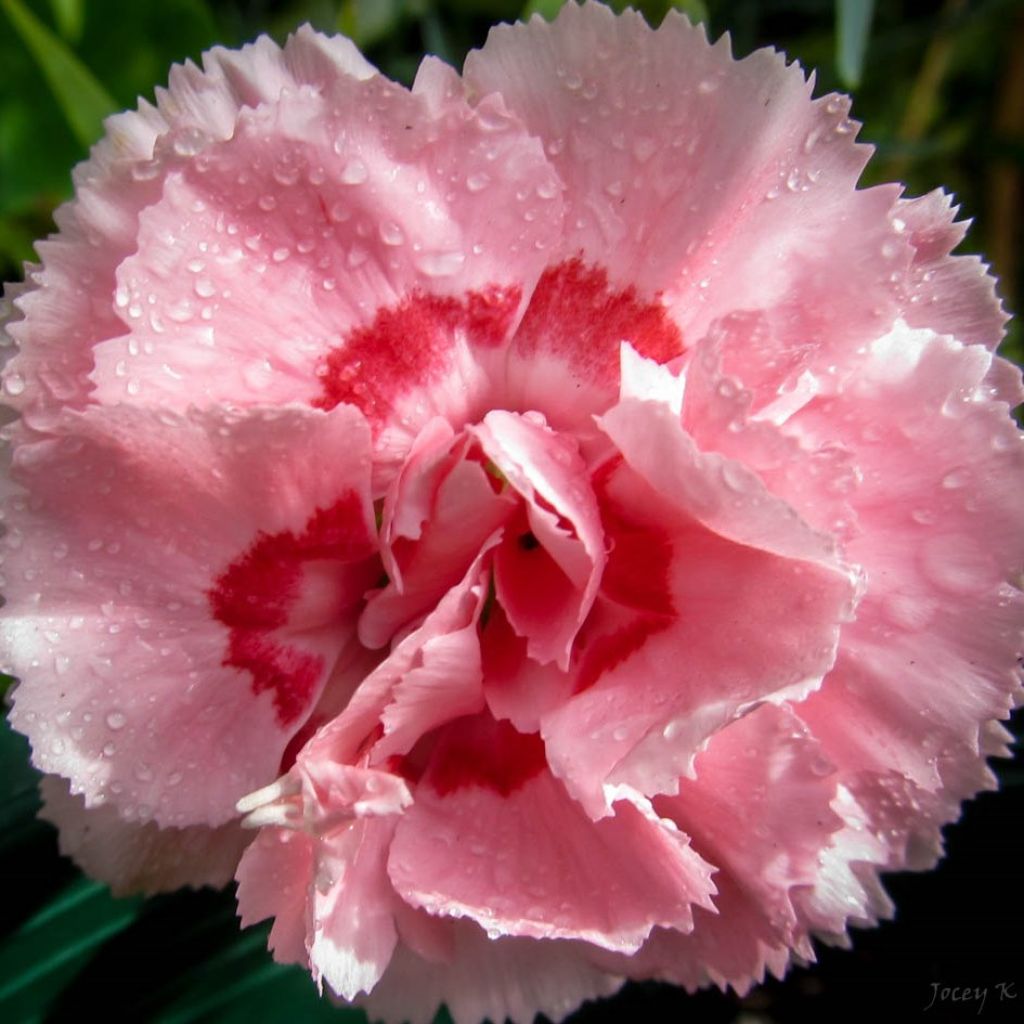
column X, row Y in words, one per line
column 391, row 233
column 355, row 172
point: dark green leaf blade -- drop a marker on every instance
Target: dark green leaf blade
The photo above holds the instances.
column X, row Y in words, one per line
column 853, row 28
column 83, row 100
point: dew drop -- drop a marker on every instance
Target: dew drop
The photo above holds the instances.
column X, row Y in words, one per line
column 391, row 233
column 14, row 384
column 354, row 173
column 116, row 720
column 440, row 264
column 644, row 148
column 286, row 174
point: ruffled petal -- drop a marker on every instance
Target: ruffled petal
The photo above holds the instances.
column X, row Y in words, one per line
column 303, row 280
column 720, row 597
column 438, row 514
column 338, row 899
column 933, row 654
column 493, row 836
column 713, row 185
column 70, row 308
column 432, row 675
column 947, row 294
column 546, row 573
column 760, row 810
column 506, row 978
column 199, row 574
column 140, row 857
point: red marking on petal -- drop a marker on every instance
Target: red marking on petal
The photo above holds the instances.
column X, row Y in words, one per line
column 405, row 766
column 502, row 650
column 637, row 571
column 290, row 674
column 605, row 652
column 254, row 595
column 636, row 577
column 530, row 584
column 410, row 344
column 576, row 314
column 479, row 751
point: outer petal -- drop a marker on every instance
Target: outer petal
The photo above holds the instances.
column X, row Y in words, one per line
column 948, row 294
column 273, row 881
column 721, row 597
column 760, row 810
column 718, row 184
column 70, row 308
column 197, row 573
column 504, row 978
column 357, row 214
column 493, row 836
column 135, row 857
column 932, row 655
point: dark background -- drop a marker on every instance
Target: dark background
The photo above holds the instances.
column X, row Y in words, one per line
column 940, row 89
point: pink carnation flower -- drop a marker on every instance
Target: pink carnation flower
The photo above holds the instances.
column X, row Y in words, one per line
column 570, row 525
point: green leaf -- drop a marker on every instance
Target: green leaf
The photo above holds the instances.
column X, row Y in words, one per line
column 853, row 27
column 366, row 22
column 695, row 10
column 82, row 99
column 50, row 948
column 547, row 9
column 70, row 17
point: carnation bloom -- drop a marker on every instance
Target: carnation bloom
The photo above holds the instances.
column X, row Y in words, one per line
column 570, row 525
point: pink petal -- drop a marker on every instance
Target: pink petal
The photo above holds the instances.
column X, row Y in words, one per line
column 432, row 675
column 493, row 836
column 72, row 308
column 437, row 515
column 353, row 928
column 565, row 355
column 198, row 573
column 948, row 294
column 273, row 881
column 759, row 807
column 546, row 575
column 932, row 655
column 515, row 686
column 334, row 911
column 847, row 889
column 717, row 185
column 721, row 597
column 504, row 978
column 140, row 857
column 349, row 232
